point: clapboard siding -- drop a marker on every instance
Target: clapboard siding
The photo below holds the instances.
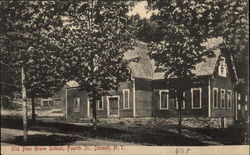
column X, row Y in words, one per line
column 188, row 111
column 226, row 84
column 143, row 103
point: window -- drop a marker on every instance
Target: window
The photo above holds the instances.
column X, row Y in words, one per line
column 163, row 99
column 100, row 104
column 239, row 96
column 246, row 98
column 183, row 102
column 125, row 98
column 245, row 107
column 229, row 99
column 215, row 98
column 239, row 106
column 222, row 98
column 196, row 98
column 76, row 105
column 47, row 102
column 222, row 67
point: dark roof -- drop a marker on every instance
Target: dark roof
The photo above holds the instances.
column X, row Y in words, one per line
column 145, row 67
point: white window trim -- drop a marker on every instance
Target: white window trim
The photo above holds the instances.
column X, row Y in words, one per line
column 123, row 94
column 160, row 91
column 239, row 96
column 115, row 96
column 239, row 107
column 223, row 60
column 246, row 98
column 231, row 99
column 98, row 102
column 223, row 90
column 246, row 108
column 192, row 101
column 217, row 98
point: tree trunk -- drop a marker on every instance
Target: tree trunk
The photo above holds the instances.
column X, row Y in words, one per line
column 33, row 109
column 24, row 100
column 179, row 98
column 94, row 111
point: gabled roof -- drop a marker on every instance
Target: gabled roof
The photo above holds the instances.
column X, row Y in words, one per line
column 143, row 68
column 206, row 67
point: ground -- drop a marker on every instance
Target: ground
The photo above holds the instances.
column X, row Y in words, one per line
column 68, row 132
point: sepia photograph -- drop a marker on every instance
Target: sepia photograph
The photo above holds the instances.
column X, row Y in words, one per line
column 124, row 77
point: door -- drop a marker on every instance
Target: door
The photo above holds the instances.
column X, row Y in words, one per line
column 113, row 106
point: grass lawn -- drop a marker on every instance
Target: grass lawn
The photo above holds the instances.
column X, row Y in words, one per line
column 141, row 134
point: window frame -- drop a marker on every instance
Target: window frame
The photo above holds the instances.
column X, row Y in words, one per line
column 239, row 107
column 217, row 100
column 222, row 90
column 192, row 98
column 160, row 91
column 229, row 98
column 239, row 97
column 123, row 94
column 246, row 98
column 222, row 63
column 98, row 103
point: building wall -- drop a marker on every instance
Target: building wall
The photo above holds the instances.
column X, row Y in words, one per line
column 226, row 84
column 73, row 93
column 242, row 106
column 187, row 111
column 143, row 97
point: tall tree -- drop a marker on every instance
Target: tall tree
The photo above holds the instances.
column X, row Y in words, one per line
column 187, row 25
column 29, row 40
column 97, row 39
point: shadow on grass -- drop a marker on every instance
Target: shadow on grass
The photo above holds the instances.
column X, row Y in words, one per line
column 233, row 135
column 135, row 134
column 43, row 140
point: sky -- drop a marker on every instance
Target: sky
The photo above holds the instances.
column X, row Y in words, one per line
column 140, row 9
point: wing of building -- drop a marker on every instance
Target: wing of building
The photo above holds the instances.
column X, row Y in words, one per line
column 211, row 95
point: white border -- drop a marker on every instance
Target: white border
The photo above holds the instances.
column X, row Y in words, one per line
column 231, row 99
column 118, row 107
column 221, row 90
column 192, row 89
column 217, row 98
column 160, row 91
column 123, row 96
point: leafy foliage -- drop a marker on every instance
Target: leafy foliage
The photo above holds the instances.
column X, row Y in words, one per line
column 188, row 24
column 98, row 35
column 29, row 40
